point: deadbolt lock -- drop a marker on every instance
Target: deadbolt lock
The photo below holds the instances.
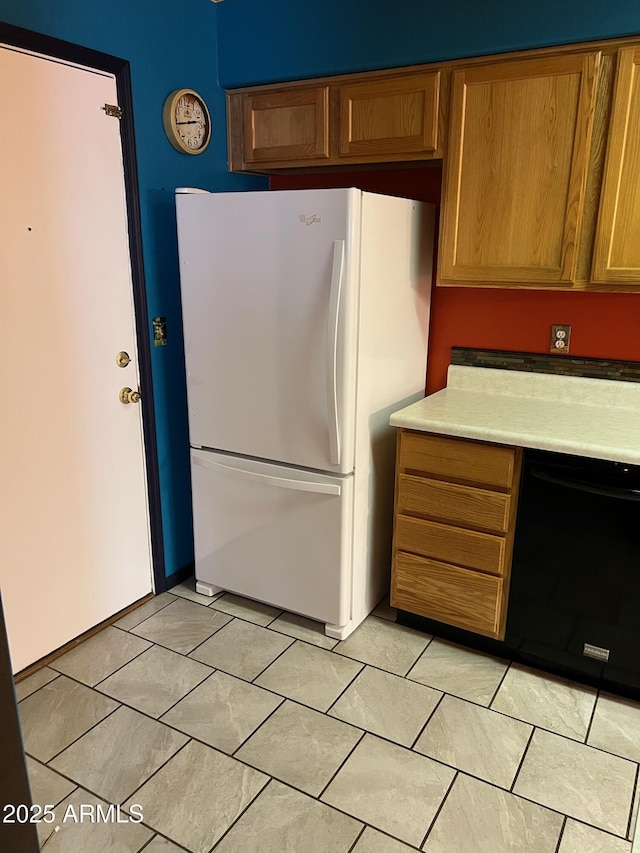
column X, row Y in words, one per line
column 123, row 359
column 127, row 395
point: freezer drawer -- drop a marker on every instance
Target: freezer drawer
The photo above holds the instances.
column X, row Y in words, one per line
column 275, row 534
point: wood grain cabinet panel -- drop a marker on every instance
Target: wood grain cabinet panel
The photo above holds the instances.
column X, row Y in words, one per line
column 458, row 597
column 470, row 507
column 286, row 125
column 385, row 118
column 450, row 544
column 457, row 459
column 617, row 245
column 516, row 167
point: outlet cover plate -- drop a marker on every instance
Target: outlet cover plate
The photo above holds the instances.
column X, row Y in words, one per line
column 560, row 339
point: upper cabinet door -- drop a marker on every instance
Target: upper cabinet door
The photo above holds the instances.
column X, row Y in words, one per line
column 616, row 258
column 290, row 124
column 388, row 117
column 516, row 165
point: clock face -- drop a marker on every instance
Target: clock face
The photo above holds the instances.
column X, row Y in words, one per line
column 191, row 122
column 186, row 121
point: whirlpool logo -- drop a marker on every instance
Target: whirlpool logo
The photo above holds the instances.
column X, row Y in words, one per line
column 309, row 220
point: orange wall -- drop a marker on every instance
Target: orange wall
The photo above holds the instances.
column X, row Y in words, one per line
column 605, row 325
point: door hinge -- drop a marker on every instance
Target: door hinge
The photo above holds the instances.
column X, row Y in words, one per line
column 112, row 110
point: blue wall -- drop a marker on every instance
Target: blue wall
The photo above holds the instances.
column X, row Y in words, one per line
column 170, row 44
column 260, row 42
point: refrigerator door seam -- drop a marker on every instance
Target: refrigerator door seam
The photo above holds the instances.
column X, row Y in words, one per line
column 267, row 479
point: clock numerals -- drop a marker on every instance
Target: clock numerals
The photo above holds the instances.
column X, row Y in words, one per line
column 191, row 122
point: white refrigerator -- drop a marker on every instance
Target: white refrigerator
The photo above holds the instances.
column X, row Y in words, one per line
column 306, row 317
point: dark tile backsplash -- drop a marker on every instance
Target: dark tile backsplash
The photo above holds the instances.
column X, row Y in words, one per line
column 563, row 365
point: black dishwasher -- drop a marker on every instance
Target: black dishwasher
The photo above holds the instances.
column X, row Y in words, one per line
column 574, row 603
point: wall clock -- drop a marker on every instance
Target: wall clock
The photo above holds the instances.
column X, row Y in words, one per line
column 186, row 121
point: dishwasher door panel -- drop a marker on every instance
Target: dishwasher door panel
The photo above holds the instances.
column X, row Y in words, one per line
column 574, row 602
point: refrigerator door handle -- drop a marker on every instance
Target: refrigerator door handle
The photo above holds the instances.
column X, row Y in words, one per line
column 337, row 271
column 269, row 480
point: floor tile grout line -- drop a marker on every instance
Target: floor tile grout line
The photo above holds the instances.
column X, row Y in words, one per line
column 164, row 837
column 255, row 731
column 592, row 716
column 562, row 829
column 301, row 639
column 340, row 766
column 211, row 606
column 522, row 760
column 565, row 814
column 230, row 620
column 38, row 689
column 350, row 683
column 117, row 669
column 242, row 813
column 82, row 785
column 578, row 742
column 361, row 672
column 188, row 693
column 264, row 669
column 291, row 784
column 212, row 634
column 155, row 773
column 155, row 612
column 244, row 618
column 335, row 649
column 146, row 713
column 58, row 773
column 194, row 600
column 354, row 844
column 75, row 740
column 82, row 645
column 501, row 682
column 550, row 731
column 434, row 820
column 413, row 665
column 498, row 713
column 177, row 598
column 426, row 723
column 633, row 797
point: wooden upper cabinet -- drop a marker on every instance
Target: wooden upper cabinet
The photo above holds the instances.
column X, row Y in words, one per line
column 286, row 125
column 516, row 166
column 383, row 118
column 616, row 257
column 364, row 118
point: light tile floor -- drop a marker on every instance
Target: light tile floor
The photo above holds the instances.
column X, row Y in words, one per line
column 233, row 726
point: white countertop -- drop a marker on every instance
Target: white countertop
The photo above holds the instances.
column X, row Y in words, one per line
column 585, row 417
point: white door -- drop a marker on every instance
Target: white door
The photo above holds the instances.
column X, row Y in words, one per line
column 75, row 542
column 276, row 534
column 269, row 301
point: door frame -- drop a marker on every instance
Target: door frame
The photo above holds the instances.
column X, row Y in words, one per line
column 68, row 52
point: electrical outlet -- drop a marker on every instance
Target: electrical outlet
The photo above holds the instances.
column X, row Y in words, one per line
column 560, row 337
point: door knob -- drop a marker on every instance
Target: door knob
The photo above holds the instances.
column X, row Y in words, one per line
column 127, row 395
column 123, row 359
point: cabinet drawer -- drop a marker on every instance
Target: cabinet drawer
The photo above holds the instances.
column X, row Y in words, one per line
column 468, row 600
column 468, row 548
column 458, row 459
column 452, row 503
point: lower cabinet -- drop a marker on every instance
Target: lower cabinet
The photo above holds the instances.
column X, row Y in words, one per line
column 454, row 522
